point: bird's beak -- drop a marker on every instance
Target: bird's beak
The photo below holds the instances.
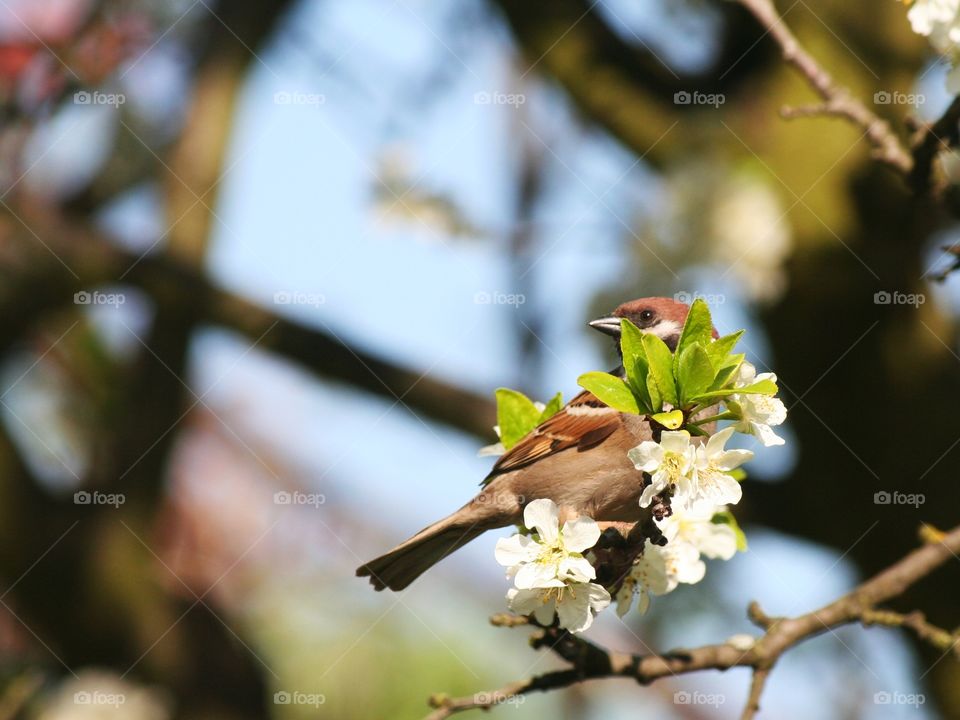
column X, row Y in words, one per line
column 607, row 325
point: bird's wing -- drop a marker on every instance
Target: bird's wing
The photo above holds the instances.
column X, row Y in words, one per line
column 582, row 423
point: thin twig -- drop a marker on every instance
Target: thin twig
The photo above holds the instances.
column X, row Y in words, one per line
column 589, row 661
column 837, row 100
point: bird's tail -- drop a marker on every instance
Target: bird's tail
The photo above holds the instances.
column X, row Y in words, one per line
column 409, row 560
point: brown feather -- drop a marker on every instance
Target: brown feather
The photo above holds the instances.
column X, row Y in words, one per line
column 564, row 430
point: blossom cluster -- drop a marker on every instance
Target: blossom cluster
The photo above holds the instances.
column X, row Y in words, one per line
column 687, row 469
column 939, row 21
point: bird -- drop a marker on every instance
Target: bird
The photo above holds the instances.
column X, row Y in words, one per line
column 577, row 458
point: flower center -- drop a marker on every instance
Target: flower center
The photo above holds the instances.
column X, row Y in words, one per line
column 672, row 464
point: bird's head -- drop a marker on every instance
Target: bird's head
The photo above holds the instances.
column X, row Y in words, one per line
column 659, row 316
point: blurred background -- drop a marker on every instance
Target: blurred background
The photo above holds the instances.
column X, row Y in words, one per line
column 262, row 265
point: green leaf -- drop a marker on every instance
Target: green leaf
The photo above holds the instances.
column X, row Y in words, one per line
column 762, row 387
column 653, row 390
column 732, row 360
column 695, row 372
column 552, row 408
column 738, row 474
column 670, row 420
column 661, row 369
column 516, row 416
column 726, row 518
column 724, row 376
column 698, row 327
column 722, row 347
column 631, row 344
column 638, row 383
column 611, row 390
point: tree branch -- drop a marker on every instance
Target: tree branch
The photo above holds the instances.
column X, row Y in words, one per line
column 837, row 100
column 97, row 261
column 589, row 661
column 915, row 163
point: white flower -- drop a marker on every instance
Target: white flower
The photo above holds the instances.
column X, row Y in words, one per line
column 758, row 412
column 694, row 526
column 553, row 557
column 710, row 479
column 668, row 462
column 658, row 571
column 495, row 450
column 690, row 533
column 576, row 604
column 926, row 15
column 939, row 20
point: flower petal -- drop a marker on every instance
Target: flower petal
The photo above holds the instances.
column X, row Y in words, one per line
column 576, row 569
column 625, row 597
column 717, row 441
column 721, row 489
column 715, row 540
column 649, row 492
column 646, row 456
column 730, row 459
column 516, row 549
column 580, row 534
column 675, row 441
column 537, row 575
column 542, row 515
column 765, row 434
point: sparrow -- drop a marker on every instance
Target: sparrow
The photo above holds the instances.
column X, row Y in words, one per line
column 577, row 458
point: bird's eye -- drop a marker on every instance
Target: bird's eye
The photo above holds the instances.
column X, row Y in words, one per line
column 646, row 316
